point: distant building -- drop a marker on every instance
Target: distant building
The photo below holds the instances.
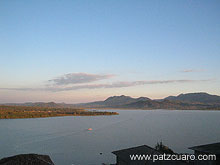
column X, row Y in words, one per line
column 209, row 149
column 123, row 157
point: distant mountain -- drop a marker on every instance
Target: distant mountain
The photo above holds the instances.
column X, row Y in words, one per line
column 167, row 104
column 42, row 104
column 121, row 100
column 114, row 101
column 204, row 98
column 192, row 101
column 183, row 101
column 118, row 100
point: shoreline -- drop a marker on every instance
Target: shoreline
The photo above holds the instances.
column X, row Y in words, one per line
column 22, row 112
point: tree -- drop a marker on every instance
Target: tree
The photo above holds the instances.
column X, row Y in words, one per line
column 164, row 149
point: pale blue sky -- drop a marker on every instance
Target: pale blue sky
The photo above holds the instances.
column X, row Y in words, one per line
column 121, row 40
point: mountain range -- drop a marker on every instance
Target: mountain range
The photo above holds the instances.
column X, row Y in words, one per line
column 189, row 101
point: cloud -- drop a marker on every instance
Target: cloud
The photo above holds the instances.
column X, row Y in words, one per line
column 192, row 70
column 112, row 85
column 96, row 86
column 26, row 89
column 78, row 78
column 125, row 84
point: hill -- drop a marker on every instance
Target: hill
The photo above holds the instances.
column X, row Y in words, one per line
column 114, row 101
column 193, row 101
column 204, row 98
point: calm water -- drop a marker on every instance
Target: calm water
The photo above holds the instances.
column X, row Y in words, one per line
column 68, row 142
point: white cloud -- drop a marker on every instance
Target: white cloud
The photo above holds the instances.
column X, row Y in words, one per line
column 78, row 78
column 192, row 70
column 112, row 85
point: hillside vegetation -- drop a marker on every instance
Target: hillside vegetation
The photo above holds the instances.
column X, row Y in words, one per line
column 14, row 112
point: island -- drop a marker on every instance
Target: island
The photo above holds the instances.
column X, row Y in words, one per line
column 15, row 112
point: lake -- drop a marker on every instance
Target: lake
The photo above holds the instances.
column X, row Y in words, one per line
column 68, row 142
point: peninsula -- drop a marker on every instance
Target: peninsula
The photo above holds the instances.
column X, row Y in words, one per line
column 14, row 112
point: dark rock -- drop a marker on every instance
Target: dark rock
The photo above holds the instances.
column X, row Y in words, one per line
column 27, row 159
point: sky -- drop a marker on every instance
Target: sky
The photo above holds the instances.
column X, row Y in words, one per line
column 86, row 50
